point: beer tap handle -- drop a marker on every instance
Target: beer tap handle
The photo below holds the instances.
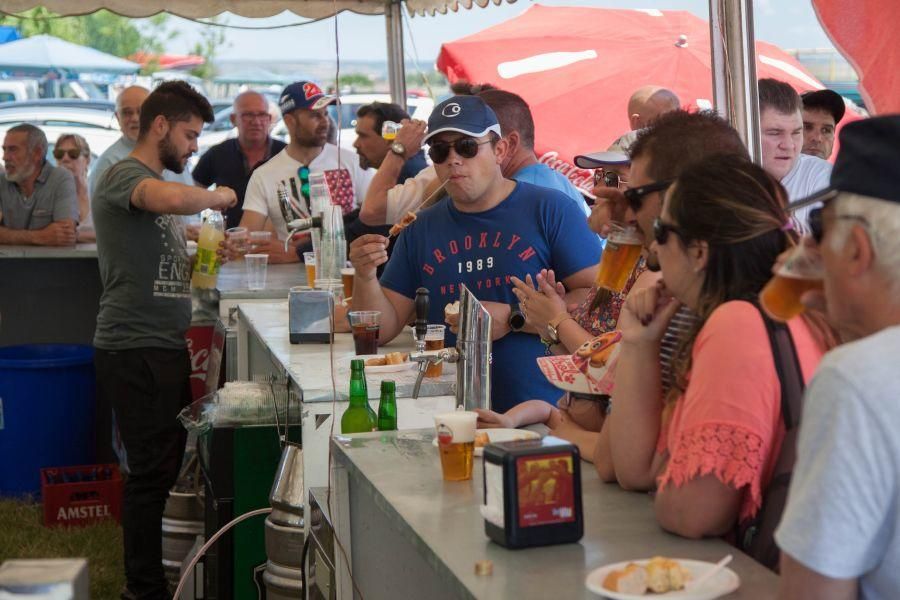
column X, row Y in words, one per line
column 421, row 317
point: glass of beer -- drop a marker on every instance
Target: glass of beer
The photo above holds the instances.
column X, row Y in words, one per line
column 434, row 340
column 623, row 249
column 309, row 260
column 347, row 274
column 365, row 325
column 456, row 442
column 240, row 237
column 801, row 272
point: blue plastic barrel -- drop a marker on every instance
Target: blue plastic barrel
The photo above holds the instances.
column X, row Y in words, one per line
column 46, row 412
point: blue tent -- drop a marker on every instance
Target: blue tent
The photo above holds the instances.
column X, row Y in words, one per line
column 40, row 54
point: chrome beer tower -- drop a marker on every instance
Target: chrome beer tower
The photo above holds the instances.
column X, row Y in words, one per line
column 472, row 352
column 294, row 218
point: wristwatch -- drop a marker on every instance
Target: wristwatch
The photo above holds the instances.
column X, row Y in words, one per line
column 516, row 319
column 398, row 149
column 553, row 326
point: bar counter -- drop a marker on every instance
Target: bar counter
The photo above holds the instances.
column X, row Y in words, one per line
column 412, row 535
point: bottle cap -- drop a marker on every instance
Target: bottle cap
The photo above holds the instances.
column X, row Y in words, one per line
column 388, row 385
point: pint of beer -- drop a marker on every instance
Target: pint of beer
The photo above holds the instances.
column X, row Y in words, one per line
column 434, row 340
column 801, row 272
column 620, row 256
column 456, row 443
column 347, row 274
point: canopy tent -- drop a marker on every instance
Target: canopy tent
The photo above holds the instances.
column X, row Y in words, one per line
column 43, row 53
column 577, row 67
column 168, row 61
column 865, row 32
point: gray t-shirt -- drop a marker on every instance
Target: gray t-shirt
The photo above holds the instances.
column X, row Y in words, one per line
column 144, row 267
column 53, row 199
column 842, row 519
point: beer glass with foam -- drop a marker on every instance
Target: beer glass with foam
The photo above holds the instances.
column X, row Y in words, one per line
column 434, row 340
column 456, row 443
column 365, row 325
column 620, row 256
column 801, row 272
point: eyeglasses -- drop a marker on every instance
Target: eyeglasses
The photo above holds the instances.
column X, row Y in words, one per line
column 635, row 196
column 73, row 153
column 250, row 116
column 608, row 179
column 466, row 147
column 303, row 174
column 817, row 229
column 661, row 231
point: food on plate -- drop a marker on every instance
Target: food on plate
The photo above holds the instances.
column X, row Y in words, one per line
column 599, row 349
column 482, row 439
column 391, row 358
column 659, row 575
column 665, row 575
column 630, row 580
column 402, row 224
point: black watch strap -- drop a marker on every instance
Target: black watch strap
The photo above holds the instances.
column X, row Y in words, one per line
column 516, row 320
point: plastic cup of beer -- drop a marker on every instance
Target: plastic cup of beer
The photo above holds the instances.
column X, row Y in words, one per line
column 802, row 271
column 364, row 324
column 434, row 340
column 309, row 260
column 619, row 258
column 347, row 274
column 389, row 130
column 256, row 270
column 240, row 237
column 456, row 443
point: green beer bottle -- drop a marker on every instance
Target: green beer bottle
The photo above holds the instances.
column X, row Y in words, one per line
column 359, row 417
column 387, row 407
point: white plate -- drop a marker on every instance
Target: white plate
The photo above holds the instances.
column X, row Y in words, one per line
column 502, row 435
column 724, row 582
column 386, row 368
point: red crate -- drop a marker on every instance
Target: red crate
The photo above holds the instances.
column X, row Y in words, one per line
column 75, row 496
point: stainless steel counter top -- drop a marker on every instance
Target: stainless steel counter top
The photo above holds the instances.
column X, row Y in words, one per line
column 279, row 280
column 309, row 365
column 77, row 251
column 398, row 478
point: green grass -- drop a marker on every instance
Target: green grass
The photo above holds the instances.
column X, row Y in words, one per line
column 23, row 535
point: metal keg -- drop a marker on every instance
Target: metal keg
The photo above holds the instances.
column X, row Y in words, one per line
column 284, row 544
column 282, row 583
column 181, row 524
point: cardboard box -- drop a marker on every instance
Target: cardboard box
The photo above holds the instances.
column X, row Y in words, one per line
column 46, row 577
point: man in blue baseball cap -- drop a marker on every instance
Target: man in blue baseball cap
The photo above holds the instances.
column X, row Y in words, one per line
column 488, row 231
column 304, row 107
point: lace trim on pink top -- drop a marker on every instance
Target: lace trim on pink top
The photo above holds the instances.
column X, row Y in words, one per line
column 734, row 454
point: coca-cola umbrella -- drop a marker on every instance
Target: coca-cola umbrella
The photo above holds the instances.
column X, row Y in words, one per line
column 578, row 66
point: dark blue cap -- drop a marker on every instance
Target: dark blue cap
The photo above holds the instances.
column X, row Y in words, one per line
column 463, row 114
column 303, row 94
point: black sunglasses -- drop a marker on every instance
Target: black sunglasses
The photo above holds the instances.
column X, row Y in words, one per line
column 303, row 174
column 73, row 153
column 661, row 231
column 466, row 147
column 635, row 196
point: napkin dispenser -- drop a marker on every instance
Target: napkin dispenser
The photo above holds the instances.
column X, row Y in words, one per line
column 532, row 493
column 309, row 315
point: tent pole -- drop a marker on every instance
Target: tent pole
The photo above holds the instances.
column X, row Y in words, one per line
column 393, row 22
column 734, row 68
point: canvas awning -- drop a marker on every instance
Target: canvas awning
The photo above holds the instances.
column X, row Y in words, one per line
column 46, row 52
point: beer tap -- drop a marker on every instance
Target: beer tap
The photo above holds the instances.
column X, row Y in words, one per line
column 294, row 217
column 420, row 355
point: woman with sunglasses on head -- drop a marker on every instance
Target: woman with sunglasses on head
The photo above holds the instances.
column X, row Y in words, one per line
column 710, row 447
column 73, row 154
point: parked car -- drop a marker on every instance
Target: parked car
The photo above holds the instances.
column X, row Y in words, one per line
column 93, row 119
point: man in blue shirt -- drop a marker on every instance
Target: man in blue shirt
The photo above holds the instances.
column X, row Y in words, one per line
column 488, row 230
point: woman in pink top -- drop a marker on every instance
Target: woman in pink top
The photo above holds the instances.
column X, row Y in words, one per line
column 710, row 446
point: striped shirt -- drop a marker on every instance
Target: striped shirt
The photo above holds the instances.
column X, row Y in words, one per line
column 680, row 324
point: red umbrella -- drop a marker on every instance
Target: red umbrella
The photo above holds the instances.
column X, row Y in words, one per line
column 865, row 31
column 578, row 66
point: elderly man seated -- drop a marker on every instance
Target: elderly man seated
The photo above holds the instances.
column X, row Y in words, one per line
column 38, row 203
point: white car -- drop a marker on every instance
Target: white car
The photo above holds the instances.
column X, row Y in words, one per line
column 220, row 130
column 95, row 121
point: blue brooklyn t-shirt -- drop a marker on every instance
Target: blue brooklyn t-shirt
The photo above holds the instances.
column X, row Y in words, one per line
column 534, row 228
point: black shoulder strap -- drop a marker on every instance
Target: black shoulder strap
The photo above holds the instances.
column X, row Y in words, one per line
column 787, row 365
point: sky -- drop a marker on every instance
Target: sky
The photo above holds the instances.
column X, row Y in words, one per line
column 786, row 23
